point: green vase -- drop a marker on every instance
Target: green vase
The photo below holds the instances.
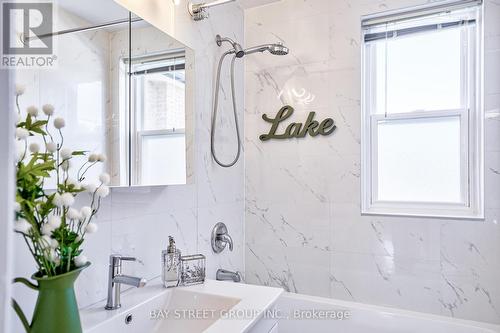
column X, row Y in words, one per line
column 56, row 310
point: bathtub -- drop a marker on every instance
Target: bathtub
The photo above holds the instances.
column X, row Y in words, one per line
column 299, row 314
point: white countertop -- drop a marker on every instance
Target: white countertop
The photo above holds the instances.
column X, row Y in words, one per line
column 252, row 299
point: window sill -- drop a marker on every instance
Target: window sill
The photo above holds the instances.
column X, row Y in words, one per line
column 454, row 214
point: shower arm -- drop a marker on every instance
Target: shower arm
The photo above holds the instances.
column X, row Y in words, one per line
column 219, row 40
column 198, row 11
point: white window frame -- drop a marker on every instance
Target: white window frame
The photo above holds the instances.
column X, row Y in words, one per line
column 141, row 135
column 471, row 126
column 137, row 91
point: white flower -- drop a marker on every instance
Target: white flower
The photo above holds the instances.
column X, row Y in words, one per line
column 78, row 238
column 17, row 207
column 52, row 256
column 54, row 221
column 71, row 181
column 34, row 147
column 86, row 211
column 101, row 158
column 102, row 191
column 22, row 133
column 65, row 153
column 32, row 111
column 20, row 88
column 49, row 243
column 20, row 149
column 57, row 200
column 90, row 187
column 48, row 109
column 80, row 261
column 47, row 229
column 91, row 228
column 65, row 165
column 93, row 158
column 22, row 225
column 59, row 123
column 54, row 243
column 73, row 214
column 105, row 178
column 67, row 199
column 45, row 241
column 51, row 147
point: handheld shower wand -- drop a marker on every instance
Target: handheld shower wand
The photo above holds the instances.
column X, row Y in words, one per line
column 238, row 52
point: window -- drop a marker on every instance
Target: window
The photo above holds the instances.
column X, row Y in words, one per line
column 158, row 92
column 422, row 133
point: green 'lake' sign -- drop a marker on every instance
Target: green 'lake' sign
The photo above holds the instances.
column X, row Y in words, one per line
column 297, row 130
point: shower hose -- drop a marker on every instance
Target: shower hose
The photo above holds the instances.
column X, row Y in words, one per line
column 214, row 115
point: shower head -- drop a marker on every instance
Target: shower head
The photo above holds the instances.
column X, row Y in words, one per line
column 237, row 49
column 275, row 49
column 278, row 49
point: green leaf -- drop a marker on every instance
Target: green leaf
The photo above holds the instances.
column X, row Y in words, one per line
column 39, row 123
column 79, row 152
column 38, row 130
column 28, row 121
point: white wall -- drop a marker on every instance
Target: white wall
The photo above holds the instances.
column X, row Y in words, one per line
column 138, row 221
column 6, row 200
column 304, row 231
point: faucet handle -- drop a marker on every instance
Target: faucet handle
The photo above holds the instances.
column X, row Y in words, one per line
column 116, row 259
column 128, row 258
column 220, row 238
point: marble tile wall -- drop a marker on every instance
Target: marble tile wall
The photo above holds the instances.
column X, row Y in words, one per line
column 304, row 231
column 138, row 221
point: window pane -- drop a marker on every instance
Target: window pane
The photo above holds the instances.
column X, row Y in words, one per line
column 163, row 159
column 418, row 72
column 163, row 101
column 419, row 160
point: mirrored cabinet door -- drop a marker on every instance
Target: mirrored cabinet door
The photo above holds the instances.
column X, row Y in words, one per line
column 125, row 91
column 160, row 126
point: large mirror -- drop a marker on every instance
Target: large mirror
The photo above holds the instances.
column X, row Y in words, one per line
column 125, row 89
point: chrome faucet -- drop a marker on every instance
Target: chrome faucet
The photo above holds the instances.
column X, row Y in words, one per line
column 221, row 238
column 116, row 279
column 225, row 275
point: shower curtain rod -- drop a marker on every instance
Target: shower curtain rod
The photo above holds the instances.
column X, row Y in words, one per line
column 89, row 28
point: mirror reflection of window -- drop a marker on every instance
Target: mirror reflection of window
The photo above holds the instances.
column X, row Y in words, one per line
column 158, row 91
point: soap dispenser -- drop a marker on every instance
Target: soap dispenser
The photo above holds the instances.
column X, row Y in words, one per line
column 171, row 258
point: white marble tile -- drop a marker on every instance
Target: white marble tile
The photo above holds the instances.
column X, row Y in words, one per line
column 492, row 75
column 396, row 237
column 146, row 236
column 473, row 296
column 492, row 122
column 386, row 280
column 492, row 179
column 92, row 284
column 232, row 216
column 295, row 269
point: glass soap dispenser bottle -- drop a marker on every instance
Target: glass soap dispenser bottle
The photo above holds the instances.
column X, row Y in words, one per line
column 171, row 258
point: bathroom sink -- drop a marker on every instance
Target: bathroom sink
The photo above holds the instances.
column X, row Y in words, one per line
column 200, row 308
column 190, row 311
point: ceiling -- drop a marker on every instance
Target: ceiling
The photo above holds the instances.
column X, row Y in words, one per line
column 94, row 11
column 245, row 4
column 100, row 11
